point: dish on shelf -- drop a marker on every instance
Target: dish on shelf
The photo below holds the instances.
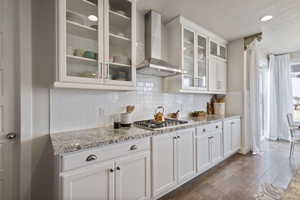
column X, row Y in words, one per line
column 90, row 54
column 88, row 74
column 120, row 59
column 78, row 52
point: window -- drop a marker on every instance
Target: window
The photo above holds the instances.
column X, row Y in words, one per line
column 295, row 74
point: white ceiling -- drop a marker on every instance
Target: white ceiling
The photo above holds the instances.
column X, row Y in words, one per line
column 233, row 19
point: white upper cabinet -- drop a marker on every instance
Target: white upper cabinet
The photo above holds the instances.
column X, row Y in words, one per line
column 217, row 67
column 96, row 44
column 218, row 50
column 190, row 49
column 217, row 75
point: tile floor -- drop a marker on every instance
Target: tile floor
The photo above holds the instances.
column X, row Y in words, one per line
column 240, row 177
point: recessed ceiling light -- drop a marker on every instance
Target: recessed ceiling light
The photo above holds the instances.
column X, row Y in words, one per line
column 266, row 18
column 93, row 18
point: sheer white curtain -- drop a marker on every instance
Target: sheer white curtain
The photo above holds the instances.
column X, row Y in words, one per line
column 253, row 110
column 281, row 99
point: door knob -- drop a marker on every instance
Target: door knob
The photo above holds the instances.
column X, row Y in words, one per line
column 11, row 136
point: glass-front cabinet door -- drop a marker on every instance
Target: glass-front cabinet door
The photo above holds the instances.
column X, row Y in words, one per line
column 188, row 59
column 119, row 42
column 202, row 62
column 96, row 41
column 81, row 25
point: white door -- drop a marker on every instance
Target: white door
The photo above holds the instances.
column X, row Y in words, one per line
column 119, row 42
column 92, row 183
column 133, row 177
column 185, row 155
column 227, row 138
column 236, row 135
column 203, row 153
column 215, row 147
column 8, row 100
column 221, row 76
column 163, row 163
column 212, row 74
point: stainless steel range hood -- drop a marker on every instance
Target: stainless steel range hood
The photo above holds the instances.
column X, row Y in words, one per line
column 153, row 64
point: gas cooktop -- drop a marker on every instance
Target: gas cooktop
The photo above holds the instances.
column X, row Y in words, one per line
column 153, row 125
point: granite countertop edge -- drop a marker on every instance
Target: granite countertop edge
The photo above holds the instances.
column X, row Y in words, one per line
column 81, row 140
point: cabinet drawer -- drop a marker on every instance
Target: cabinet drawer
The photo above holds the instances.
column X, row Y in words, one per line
column 209, row 128
column 88, row 157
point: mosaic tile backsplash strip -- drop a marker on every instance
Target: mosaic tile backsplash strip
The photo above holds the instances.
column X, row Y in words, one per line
column 81, row 109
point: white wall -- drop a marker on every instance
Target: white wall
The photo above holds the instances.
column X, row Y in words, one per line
column 77, row 109
column 74, row 109
column 235, row 86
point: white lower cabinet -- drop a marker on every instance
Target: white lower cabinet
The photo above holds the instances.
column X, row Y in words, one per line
column 231, row 136
column 133, row 177
column 208, row 147
column 173, row 160
column 236, row 134
column 95, row 182
column 125, row 177
column 163, row 163
column 185, row 150
column 203, row 153
column 215, row 147
column 135, row 169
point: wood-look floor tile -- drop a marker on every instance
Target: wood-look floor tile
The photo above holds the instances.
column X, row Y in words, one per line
column 240, row 177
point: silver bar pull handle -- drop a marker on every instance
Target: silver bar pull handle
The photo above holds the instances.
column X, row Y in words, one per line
column 91, row 158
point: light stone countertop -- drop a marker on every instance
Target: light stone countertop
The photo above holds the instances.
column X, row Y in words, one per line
column 71, row 141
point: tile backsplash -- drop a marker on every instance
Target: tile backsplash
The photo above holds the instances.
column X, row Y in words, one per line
column 79, row 109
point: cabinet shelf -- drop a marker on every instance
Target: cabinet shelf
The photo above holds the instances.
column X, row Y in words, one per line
column 188, row 42
column 81, row 59
column 89, row 2
column 84, row 7
column 84, row 31
column 119, row 64
column 119, row 37
column 119, row 15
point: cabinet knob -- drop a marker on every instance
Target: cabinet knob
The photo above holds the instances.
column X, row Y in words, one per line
column 178, row 137
column 91, row 157
column 111, row 170
column 133, row 147
column 217, row 126
column 11, row 136
column 204, row 130
column 175, row 138
column 118, row 168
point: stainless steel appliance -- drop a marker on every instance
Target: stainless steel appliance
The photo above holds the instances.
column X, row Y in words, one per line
column 153, row 64
column 153, row 125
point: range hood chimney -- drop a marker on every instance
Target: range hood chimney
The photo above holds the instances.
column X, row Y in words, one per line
column 153, row 63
